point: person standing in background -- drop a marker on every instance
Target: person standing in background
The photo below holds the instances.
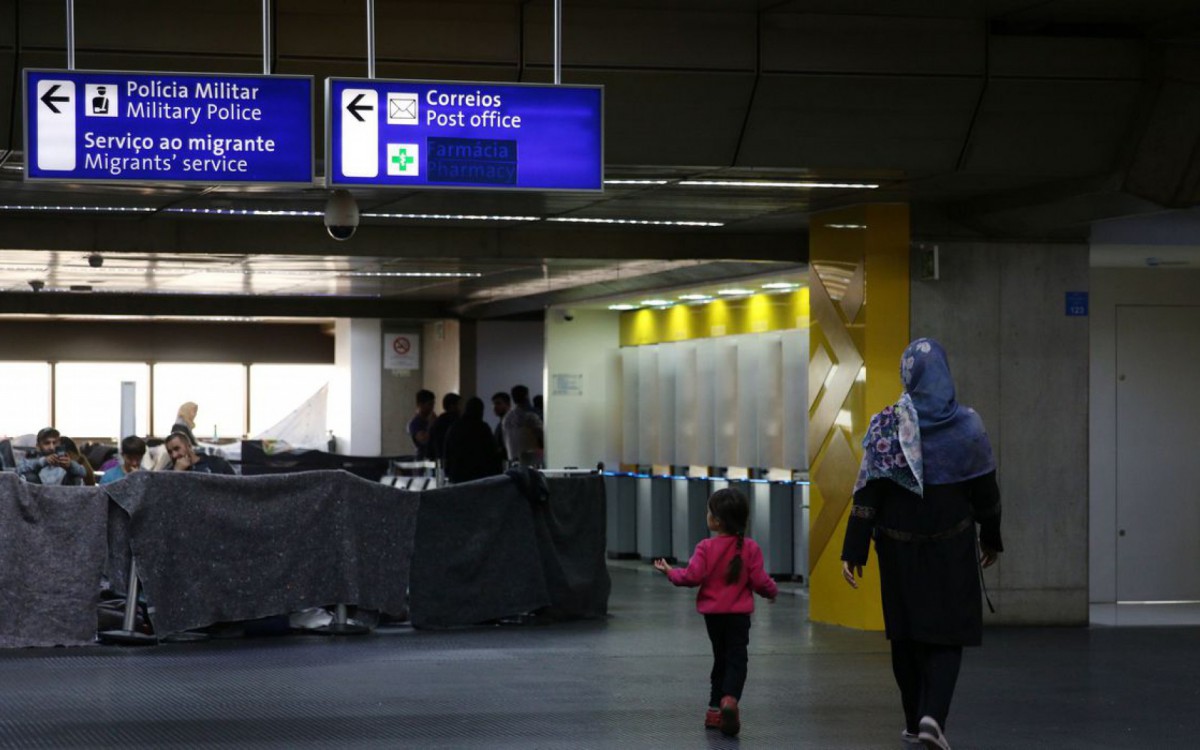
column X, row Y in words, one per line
column 523, row 434
column 501, row 404
column 422, row 422
column 185, row 420
column 451, row 411
column 470, row 449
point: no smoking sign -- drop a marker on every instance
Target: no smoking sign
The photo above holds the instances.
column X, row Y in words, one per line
column 401, row 351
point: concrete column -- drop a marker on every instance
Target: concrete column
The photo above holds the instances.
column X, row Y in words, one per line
column 355, row 409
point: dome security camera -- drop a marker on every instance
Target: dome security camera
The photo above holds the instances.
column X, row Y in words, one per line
column 341, row 215
column 568, row 315
column 95, row 260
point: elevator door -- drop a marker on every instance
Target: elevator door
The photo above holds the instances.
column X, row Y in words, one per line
column 1158, row 452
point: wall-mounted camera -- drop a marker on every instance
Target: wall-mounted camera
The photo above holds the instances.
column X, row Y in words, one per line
column 37, row 285
column 95, row 260
column 341, row 215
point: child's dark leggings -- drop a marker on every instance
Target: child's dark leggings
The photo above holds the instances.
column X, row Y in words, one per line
column 730, row 634
column 926, row 675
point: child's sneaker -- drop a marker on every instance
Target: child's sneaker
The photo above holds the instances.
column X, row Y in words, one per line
column 730, row 723
column 712, row 718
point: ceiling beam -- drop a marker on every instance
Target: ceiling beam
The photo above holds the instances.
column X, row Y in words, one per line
column 200, row 305
column 273, row 236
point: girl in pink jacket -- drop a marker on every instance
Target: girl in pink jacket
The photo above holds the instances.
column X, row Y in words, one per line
column 727, row 568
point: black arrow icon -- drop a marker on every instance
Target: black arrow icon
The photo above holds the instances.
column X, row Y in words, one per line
column 48, row 99
column 354, row 108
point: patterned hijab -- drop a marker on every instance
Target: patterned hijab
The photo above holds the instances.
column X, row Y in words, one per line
column 926, row 437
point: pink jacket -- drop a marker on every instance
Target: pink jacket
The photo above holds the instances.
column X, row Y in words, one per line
column 708, row 567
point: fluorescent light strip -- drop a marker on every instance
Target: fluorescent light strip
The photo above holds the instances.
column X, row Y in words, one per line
column 639, row 222
column 622, row 308
column 845, row 226
column 695, row 297
column 735, row 292
column 766, row 184
column 342, row 273
column 241, row 212
column 451, row 217
column 780, row 285
column 636, row 182
column 80, row 209
column 413, row 274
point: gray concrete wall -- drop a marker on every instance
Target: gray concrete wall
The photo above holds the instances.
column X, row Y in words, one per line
column 1018, row 359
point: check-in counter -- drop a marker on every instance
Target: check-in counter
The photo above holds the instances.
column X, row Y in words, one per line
column 689, row 514
column 800, row 500
column 621, row 519
column 653, row 516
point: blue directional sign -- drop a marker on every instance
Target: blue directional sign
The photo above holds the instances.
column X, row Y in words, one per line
column 151, row 127
column 423, row 134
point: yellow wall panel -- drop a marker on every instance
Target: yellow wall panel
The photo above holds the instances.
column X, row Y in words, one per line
column 758, row 313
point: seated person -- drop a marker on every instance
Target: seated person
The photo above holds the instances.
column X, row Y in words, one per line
column 133, row 450
column 184, row 457
column 73, row 453
column 52, row 465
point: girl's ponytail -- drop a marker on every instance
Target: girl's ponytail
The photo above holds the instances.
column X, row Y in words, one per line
column 735, row 565
column 731, row 508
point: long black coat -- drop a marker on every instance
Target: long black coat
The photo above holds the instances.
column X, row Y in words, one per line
column 470, row 451
column 930, row 575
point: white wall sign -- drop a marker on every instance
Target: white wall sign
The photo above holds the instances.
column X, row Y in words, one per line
column 401, row 351
column 566, row 384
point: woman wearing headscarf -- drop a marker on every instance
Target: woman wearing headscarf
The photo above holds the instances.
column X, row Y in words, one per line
column 927, row 478
column 185, row 420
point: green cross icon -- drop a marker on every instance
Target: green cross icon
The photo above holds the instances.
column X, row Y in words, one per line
column 402, row 159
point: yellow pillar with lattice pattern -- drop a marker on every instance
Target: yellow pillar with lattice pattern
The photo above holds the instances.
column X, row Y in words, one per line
column 859, row 287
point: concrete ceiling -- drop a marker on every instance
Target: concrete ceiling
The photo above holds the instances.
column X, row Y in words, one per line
column 998, row 120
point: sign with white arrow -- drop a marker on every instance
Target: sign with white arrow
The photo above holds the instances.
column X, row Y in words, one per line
column 172, row 128
column 429, row 134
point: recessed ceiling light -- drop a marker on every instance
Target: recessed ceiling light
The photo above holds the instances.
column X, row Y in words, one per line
column 773, row 184
column 695, row 297
column 622, row 308
column 780, row 285
column 640, row 222
column 845, row 226
column 734, row 292
column 657, row 302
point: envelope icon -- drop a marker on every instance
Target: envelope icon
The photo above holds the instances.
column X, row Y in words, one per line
column 402, row 108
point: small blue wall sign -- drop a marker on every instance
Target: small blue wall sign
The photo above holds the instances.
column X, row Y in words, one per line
column 1077, row 304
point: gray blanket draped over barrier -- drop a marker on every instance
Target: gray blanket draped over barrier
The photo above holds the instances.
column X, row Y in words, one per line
column 213, row 548
column 571, row 531
column 52, row 553
column 496, row 547
column 476, row 558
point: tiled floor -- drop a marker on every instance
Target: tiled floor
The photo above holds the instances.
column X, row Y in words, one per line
column 636, row 680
